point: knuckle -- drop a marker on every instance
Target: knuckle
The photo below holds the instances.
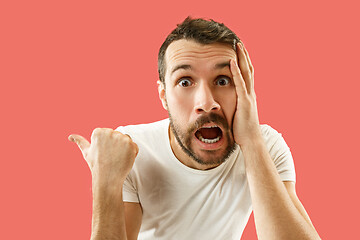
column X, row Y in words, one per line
column 102, row 131
column 105, row 131
column 108, row 130
column 130, row 144
column 96, row 131
column 127, row 140
column 116, row 135
column 123, row 139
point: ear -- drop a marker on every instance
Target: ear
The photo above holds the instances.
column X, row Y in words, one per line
column 161, row 89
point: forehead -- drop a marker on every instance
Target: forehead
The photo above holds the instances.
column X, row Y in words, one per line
column 192, row 52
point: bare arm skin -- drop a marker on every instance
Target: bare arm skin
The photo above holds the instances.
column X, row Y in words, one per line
column 108, row 220
column 278, row 213
column 133, row 217
column 110, row 157
column 290, row 187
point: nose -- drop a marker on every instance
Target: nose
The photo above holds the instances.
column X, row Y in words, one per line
column 205, row 100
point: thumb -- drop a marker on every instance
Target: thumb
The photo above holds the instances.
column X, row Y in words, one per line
column 82, row 143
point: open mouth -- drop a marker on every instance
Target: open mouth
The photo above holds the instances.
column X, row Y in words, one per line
column 209, row 134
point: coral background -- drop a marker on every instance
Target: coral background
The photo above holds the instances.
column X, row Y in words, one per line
column 70, row 66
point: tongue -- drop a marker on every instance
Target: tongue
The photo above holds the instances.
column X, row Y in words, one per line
column 209, row 133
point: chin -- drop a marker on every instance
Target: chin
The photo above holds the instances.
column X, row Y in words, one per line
column 211, row 157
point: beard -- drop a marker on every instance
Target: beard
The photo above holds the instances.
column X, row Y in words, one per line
column 185, row 137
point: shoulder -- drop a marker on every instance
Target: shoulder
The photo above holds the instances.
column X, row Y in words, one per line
column 137, row 128
column 149, row 131
column 272, row 137
column 268, row 132
column 279, row 152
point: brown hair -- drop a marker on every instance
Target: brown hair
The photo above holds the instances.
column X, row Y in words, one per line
column 200, row 30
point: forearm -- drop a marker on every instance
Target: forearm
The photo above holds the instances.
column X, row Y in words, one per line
column 108, row 220
column 276, row 217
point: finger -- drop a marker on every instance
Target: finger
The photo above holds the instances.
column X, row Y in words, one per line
column 136, row 149
column 238, row 79
column 244, row 67
column 251, row 68
column 249, row 62
column 128, row 136
column 136, row 146
column 82, row 143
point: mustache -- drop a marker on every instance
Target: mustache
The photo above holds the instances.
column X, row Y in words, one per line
column 211, row 117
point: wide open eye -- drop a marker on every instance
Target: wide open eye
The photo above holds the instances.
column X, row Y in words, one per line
column 222, row 81
column 184, row 82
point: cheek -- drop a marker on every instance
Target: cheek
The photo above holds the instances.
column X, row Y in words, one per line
column 179, row 104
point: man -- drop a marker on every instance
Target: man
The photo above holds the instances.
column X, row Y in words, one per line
column 200, row 173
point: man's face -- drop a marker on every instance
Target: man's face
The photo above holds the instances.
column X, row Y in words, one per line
column 201, row 100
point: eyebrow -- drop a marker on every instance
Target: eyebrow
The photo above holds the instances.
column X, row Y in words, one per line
column 222, row 65
column 182, row 66
column 187, row 66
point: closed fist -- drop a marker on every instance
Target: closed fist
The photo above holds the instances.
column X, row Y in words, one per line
column 110, row 155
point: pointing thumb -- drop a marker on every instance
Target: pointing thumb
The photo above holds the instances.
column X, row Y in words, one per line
column 82, row 143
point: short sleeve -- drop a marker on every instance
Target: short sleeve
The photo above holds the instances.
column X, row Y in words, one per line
column 280, row 154
column 283, row 160
column 129, row 191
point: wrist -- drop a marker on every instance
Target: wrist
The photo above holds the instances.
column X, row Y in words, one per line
column 107, row 183
column 101, row 174
column 250, row 138
column 253, row 146
column 253, row 142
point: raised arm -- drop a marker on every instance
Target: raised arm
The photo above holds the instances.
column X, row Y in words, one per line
column 278, row 213
column 110, row 157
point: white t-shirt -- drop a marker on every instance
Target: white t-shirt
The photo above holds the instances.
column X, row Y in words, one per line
column 179, row 202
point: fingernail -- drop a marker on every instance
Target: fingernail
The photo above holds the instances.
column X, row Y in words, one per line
column 71, row 139
column 240, row 45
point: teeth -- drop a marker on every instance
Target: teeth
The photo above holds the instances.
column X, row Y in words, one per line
column 209, row 140
column 210, row 126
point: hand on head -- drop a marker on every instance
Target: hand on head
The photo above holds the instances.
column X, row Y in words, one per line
column 246, row 121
